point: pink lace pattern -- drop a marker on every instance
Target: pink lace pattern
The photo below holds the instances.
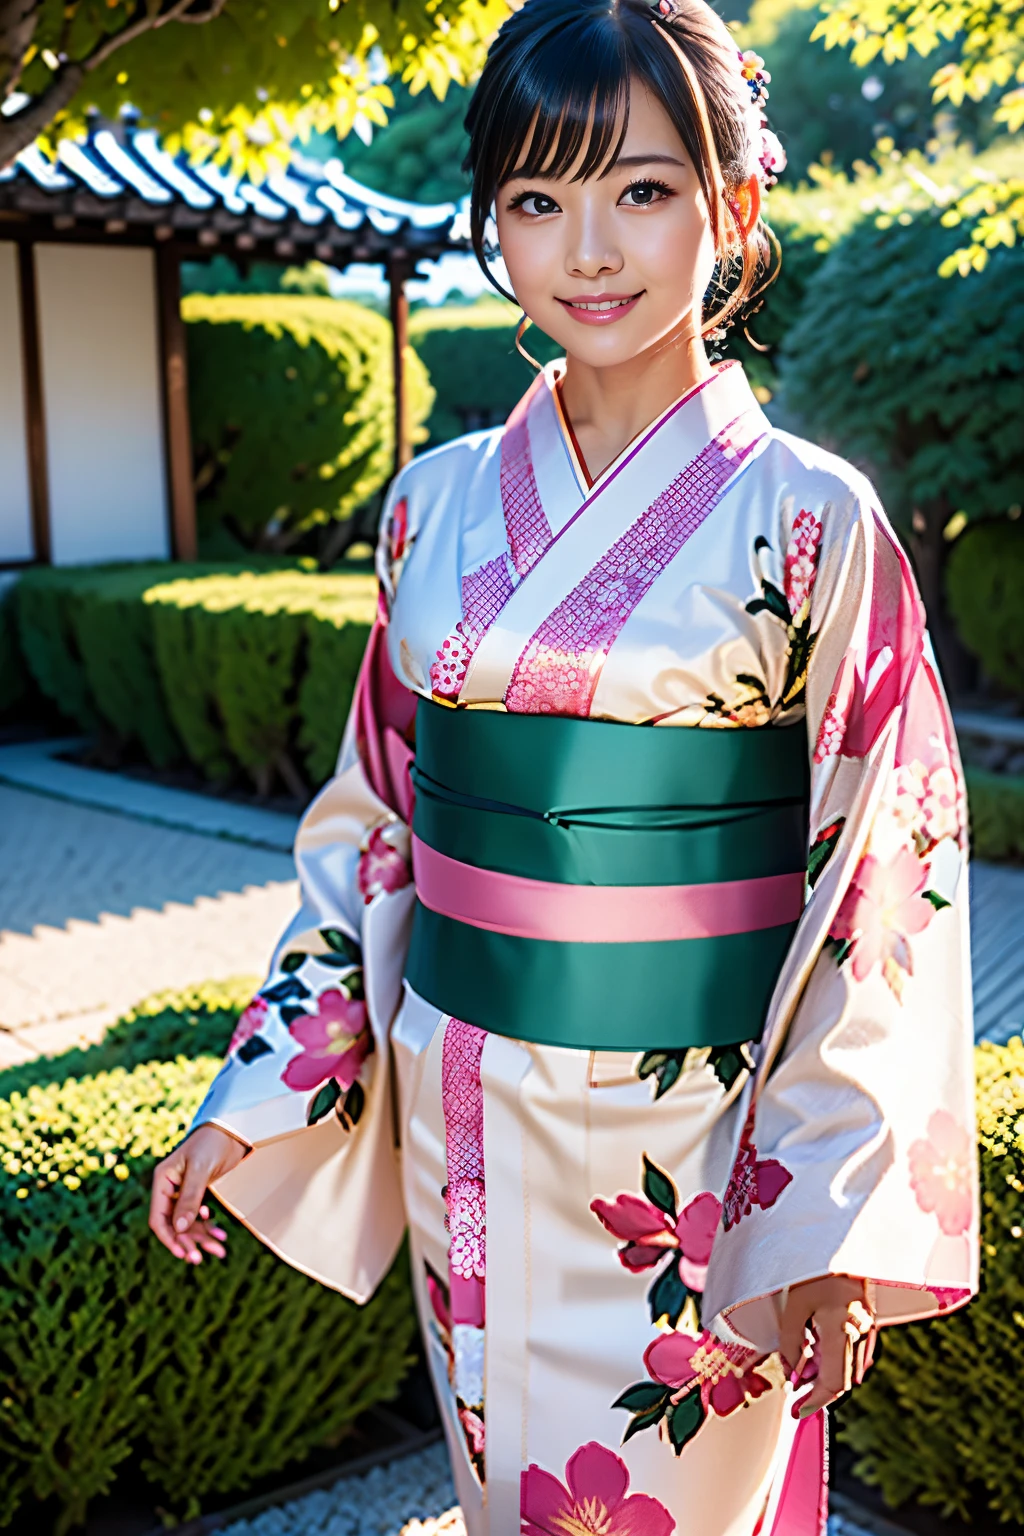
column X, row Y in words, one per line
column 462, row 1101
column 558, row 671
column 529, row 532
column 486, row 590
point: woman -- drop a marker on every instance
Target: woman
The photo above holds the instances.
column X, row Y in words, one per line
column 664, row 1057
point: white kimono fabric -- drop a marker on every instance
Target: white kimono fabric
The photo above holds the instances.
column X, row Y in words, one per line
column 600, row 1239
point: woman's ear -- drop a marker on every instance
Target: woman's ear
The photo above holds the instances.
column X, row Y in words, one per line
column 745, row 205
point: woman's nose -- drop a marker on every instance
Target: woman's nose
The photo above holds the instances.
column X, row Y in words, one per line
column 592, row 250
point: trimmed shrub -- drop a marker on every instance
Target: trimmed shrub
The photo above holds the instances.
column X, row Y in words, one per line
column 940, row 1417
column 292, row 413
column 243, row 669
column 108, row 1347
column 985, row 587
column 42, row 610
column 997, row 814
column 13, row 676
column 255, row 666
column 470, row 353
column 115, row 642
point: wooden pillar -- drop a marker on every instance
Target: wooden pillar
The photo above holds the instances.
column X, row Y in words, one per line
column 177, row 431
column 398, row 271
column 35, row 417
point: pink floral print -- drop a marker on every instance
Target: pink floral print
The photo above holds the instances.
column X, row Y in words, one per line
column 594, row 1500
column 335, row 1041
column 927, row 803
column 723, row 1373
column 381, row 867
column 250, row 1023
column 942, row 1173
column 800, row 566
column 753, row 1181
column 884, row 905
column 647, row 1233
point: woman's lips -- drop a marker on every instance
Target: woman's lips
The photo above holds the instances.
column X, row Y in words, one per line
column 600, row 308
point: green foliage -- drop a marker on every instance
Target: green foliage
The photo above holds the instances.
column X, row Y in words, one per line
column 818, row 107
column 941, row 1414
column 985, row 586
column 110, row 1348
column 221, row 275
column 292, row 410
column 419, row 154
column 997, row 814
column 469, row 352
column 13, row 677
column 241, row 80
column 115, row 643
column 253, row 666
column 242, row 668
column 918, row 378
column 986, row 40
column 42, row 610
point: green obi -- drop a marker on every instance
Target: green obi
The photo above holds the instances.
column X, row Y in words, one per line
column 656, row 876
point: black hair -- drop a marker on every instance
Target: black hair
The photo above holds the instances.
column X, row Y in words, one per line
column 555, row 90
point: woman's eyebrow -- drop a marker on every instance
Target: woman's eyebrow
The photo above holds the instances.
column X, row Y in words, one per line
column 653, row 159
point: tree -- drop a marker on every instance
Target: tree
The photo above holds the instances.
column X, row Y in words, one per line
column 236, row 80
column 989, row 41
column 919, row 382
column 827, row 109
column 419, row 154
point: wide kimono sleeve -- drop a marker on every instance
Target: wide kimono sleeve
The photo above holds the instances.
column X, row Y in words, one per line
column 307, row 1080
column 856, row 1151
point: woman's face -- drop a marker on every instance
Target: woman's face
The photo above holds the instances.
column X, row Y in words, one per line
column 611, row 266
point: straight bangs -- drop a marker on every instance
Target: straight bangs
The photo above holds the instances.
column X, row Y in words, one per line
column 569, row 105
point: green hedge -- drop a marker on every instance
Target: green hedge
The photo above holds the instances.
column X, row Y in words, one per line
column 985, row 587
column 940, row 1418
column 235, row 669
column 469, row 352
column 211, row 1378
column 292, row 410
column 997, row 814
column 13, row 676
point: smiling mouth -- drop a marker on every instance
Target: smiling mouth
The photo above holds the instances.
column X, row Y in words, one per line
column 599, row 306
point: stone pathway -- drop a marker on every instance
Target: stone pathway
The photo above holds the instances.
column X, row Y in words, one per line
column 414, row 1496
column 97, row 910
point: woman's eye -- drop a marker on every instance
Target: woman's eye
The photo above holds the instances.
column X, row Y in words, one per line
column 536, row 204
column 641, row 194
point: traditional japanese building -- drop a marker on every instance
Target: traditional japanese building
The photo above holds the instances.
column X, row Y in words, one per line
column 94, row 425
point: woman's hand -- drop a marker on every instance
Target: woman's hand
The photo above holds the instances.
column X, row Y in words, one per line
column 177, row 1214
column 836, row 1308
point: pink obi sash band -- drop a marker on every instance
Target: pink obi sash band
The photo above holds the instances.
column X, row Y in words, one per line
column 601, row 914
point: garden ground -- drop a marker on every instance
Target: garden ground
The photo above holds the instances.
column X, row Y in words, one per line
column 101, row 907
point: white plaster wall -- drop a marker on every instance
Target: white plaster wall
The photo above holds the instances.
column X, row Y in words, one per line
column 101, row 387
column 16, row 541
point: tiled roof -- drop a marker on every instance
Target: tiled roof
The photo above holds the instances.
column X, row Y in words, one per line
column 121, row 177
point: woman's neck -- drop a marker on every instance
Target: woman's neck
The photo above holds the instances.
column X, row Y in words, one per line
column 608, row 407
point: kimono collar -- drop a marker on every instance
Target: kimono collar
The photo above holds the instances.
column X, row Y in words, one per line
column 558, row 468
column 644, row 506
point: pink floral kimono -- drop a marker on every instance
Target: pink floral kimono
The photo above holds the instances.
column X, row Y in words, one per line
column 601, row 1237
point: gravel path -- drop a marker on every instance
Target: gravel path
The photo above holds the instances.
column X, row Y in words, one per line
column 411, row 1496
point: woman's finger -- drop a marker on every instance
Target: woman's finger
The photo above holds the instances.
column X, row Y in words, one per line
column 835, row 1368
column 166, row 1181
column 190, row 1196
